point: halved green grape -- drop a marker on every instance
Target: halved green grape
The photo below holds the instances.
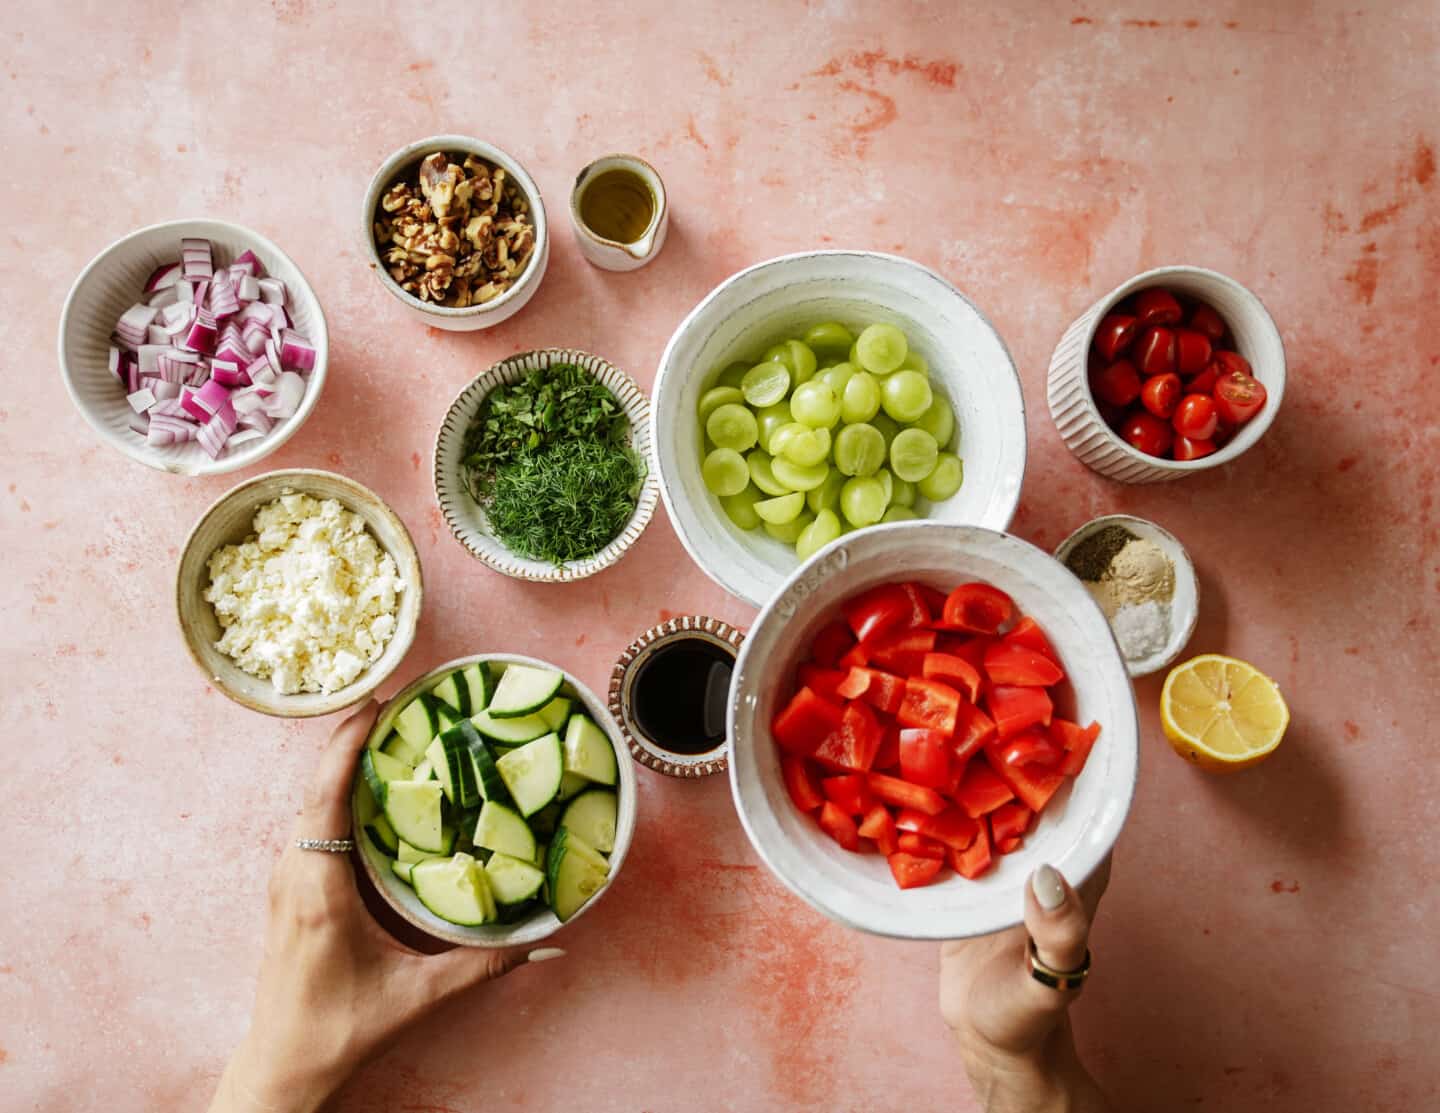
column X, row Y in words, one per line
column 725, row 472
column 914, row 361
column 766, row 383
column 861, row 400
column 829, row 335
column 827, row 495
column 859, row 449
column 799, row 477
column 781, row 436
column 899, row 514
column 762, row 475
column 789, row 532
column 802, row 360
column 733, row 374
column 881, row 348
column 862, row 501
column 803, row 445
column 732, row 426
column 938, row 421
column 887, row 483
column 888, row 427
column 815, row 404
column 741, row 507
column 944, row 480
column 819, row 533
column 778, row 353
column 902, row 493
column 771, row 418
column 905, row 395
column 837, row 376
column 778, row 511
column 913, row 453
column 716, row 397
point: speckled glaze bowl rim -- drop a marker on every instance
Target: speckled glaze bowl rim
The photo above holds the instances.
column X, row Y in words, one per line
column 1252, row 431
column 541, row 924
column 388, row 174
column 1180, row 634
column 372, row 677
column 645, row 750
column 282, row 431
column 636, row 404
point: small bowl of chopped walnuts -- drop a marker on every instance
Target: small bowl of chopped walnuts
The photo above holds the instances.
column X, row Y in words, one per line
column 455, row 229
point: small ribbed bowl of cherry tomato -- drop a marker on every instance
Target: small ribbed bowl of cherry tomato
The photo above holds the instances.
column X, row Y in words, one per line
column 1178, row 370
column 920, row 717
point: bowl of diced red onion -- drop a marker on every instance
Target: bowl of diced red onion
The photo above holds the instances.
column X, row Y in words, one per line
column 195, row 347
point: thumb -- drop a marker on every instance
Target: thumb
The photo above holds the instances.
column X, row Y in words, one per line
column 327, row 800
column 458, row 970
column 1057, row 920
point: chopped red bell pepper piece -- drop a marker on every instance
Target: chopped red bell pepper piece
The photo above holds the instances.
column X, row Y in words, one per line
column 1033, row 786
column 982, row 790
column 888, row 755
column 1010, row 821
column 879, row 689
column 849, row 792
column 854, row 743
column 1027, row 632
column 806, row 721
column 977, row 607
column 879, row 825
column 821, row 681
column 1006, row 846
column 976, row 859
column 925, row 757
column 1033, row 748
column 876, row 612
column 911, row 871
column 801, row 782
column 930, row 705
column 1009, row 663
column 1014, row 708
column 920, row 846
column 955, row 671
column 902, row 651
column 831, row 643
column 1078, row 741
column 839, row 826
column 902, row 794
column 973, row 728
column 952, row 827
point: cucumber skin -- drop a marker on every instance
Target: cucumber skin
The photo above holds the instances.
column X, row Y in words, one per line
column 520, row 712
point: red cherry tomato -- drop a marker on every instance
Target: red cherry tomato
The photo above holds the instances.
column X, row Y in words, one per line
column 1238, row 397
column 1114, row 335
column 1146, row 432
column 1118, row 384
column 1157, row 307
column 1225, row 362
column 1187, row 449
column 1161, row 394
column 1205, row 320
column 1195, row 417
column 1156, row 352
column 1192, row 351
column 1204, row 382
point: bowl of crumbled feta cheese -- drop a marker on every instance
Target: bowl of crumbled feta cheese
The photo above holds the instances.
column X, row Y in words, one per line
column 298, row 592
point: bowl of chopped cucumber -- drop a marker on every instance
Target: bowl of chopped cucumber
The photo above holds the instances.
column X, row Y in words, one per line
column 816, row 394
column 492, row 804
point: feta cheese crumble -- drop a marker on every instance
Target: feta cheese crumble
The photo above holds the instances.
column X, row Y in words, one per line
column 307, row 602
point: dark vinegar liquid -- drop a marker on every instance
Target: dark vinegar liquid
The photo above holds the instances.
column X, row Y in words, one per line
column 681, row 693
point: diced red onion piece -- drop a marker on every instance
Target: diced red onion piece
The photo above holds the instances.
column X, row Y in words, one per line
column 251, row 262
column 162, row 298
column 200, row 337
column 185, row 292
column 163, row 277
column 192, row 406
column 157, row 334
column 212, row 395
column 140, row 423
column 223, row 301
column 115, row 363
column 197, row 258
column 164, row 391
column 272, row 291
column 296, row 351
column 229, row 373
column 289, row 390
column 135, row 320
column 212, row 439
column 243, row 437
column 141, row 400
column 248, row 288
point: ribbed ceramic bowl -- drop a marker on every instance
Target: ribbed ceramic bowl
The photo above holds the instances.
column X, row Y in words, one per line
column 1074, row 832
column 471, row 318
column 969, row 365
column 542, row 923
column 1085, row 431
column 112, row 283
column 467, row 520
column 228, row 521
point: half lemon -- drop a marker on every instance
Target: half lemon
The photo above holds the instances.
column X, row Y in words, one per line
column 1222, row 714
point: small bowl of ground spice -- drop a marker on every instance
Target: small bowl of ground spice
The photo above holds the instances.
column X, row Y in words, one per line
column 1143, row 580
column 542, row 465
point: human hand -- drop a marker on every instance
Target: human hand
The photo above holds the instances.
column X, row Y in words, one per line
column 1014, row 1032
column 334, row 986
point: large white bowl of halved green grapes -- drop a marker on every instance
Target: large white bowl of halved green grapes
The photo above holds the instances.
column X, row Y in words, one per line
column 820, row 393
column 491, row 803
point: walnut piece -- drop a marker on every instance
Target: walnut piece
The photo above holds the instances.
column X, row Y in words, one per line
column 456, row 233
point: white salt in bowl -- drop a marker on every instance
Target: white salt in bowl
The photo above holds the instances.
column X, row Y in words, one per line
column 112, row 283
column 1184, row 605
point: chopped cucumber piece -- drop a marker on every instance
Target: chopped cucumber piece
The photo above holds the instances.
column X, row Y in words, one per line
column 573, row 784
column 413, row 809
column 502, row 830
column 365, row 806
column 524, row 690
column 418, row 722
column 455, row 889
column 412, row 854
column 511, row 880
column 572, row 874
column 383, row 836
column 532, row 773
column 424, row 771
column 544, row 822
column 481, row 682
column 455, row 693
column 397, row 747
column 588, row 752
column 487, row 777
column 379, row 769
column 402, row 870
column 450, row 755
column 592, row 816
column 444, row 717
column 510, row 732
column 557, row 712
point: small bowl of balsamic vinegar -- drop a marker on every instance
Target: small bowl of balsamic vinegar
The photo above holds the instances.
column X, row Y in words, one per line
column 619, row 212
column 670, row 691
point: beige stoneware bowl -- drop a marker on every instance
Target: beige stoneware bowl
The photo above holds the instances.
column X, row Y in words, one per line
column 467, row 520
column 542, row 923
column 227, row 521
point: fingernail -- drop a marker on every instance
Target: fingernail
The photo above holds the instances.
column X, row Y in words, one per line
column 545, row 954
column 1049, row 887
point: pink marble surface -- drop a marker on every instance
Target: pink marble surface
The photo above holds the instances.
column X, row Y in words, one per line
column 1268, row 941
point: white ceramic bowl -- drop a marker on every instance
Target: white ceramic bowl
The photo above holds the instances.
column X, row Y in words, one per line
column 472, row 317
column 969, row 365
column 112, row 282
column 1085, row 431
column 1074, row 832
column 541, row 923
column 228, row 521
column 466, row 519
column 1184, row 604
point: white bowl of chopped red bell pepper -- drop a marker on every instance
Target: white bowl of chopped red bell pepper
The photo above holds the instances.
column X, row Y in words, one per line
column 923, row 715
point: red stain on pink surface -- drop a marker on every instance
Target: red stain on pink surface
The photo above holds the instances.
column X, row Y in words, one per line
column 938, row 72
column 715, row 866
column 581, row 640
column 69, row 649
column 693, row 133
column 881, row 115
column 1278, row 886
column 666, row 614
column 1423, row 166
column 1079, row 19
column 1352, row 730
column 1346, row 463
column 1352, row 651
column 1148, row 24
column 335, row 459
column 4, row 1055
column 1363, row 277
column 415, row 460
column 713, row 73
column 416, row 67
column 117, row 759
